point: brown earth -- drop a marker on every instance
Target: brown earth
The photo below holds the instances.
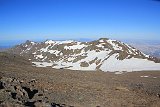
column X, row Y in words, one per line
column 24, row 85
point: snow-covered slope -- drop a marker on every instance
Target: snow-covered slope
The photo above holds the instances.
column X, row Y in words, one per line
column 103, row 54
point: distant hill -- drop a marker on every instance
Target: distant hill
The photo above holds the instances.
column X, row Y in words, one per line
column 4, row 48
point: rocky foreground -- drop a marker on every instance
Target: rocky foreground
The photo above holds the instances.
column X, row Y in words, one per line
column 24, row 85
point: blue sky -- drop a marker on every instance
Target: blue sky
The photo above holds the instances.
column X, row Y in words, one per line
column 71, row 19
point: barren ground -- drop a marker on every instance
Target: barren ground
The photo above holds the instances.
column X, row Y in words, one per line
column 24, row 85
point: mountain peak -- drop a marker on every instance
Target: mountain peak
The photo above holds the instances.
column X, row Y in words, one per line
column 29, row 42
column 103, row 39
column 104, row 54
column 49, row 42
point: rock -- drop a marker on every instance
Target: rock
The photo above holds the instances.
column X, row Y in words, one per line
column 33, row 81
column 21, row 81
column 41, row 104
column 158, row 95
column 2, row 85
column 15, row 81
column 30, row 92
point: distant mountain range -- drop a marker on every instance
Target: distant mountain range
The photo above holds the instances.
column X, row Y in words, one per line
column 4, row 48
column 102, row 54
column 150, row 49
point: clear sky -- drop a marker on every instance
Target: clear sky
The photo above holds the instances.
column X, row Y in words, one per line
column 69, row 19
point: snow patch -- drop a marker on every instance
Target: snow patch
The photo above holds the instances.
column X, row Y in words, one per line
column 114, row 45
column 38, row 56
column 144, row 76
column 101, row 40
column 78, row 46
column 59, row 42
column 49, row 42
column 132, row 64
column 119, row 72
column 33, row 43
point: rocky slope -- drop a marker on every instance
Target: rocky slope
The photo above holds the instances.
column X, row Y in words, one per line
column 23, row 85
column 103, row 54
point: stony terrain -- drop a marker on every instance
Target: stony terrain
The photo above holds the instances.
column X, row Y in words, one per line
column 24, row 85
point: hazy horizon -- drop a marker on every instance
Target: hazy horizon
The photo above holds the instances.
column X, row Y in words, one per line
column 11, row 43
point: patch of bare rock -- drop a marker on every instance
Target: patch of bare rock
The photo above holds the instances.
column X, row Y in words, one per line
column 19, row 93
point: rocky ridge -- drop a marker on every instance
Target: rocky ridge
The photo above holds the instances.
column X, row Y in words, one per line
column 103, row 54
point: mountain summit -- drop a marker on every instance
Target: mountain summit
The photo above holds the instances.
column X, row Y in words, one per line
column 103, row 54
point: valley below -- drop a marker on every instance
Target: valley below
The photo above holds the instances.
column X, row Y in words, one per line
column 22, row 84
